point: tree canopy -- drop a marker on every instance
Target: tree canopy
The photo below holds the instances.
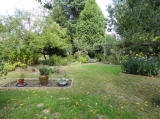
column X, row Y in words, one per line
column 90, row 29
column 52, row 37
column 136, row 19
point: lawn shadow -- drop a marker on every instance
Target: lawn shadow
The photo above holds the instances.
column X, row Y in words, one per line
column 156, row 101
column 4, row 98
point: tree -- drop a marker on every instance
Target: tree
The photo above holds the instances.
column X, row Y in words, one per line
column 134, row 19
column 51, row 39
column 70, row 8
column 90, row 29
column 58, row 16
column 65, row 13
column 28, row 38
column 16, row 37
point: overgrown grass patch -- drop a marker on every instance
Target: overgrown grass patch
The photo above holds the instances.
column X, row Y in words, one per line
column 99, row 90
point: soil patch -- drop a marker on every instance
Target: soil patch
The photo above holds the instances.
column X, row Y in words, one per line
column 34, row 84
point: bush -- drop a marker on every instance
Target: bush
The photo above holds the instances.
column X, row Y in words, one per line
column 11, row 67
column 55, row 61
column 83, row 59
column 71, row 58
column 139, row 64
column 19, row 64
column 111, row 59
column 3, row 71
column 99, row 57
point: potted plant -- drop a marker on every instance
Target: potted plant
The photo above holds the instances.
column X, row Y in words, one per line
column 62, row 81
column 44, row 75
column 20, row 80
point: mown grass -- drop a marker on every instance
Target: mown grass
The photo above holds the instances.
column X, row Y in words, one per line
column 99, row 91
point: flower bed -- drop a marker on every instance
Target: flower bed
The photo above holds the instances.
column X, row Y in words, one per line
column 33, row 83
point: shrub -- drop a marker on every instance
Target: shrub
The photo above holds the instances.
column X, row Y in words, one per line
column 111, row 59
column 3, row 71
column 46, row 71
column 55, row 60
column 99, row 57
column 83, row 59
column 139, row 64
column 71, row 58
column 11, row 67
column 19, row 64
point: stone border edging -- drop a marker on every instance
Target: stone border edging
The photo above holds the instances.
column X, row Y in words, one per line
column 35, row 88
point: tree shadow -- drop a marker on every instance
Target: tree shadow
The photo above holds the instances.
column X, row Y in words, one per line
column 156, row 101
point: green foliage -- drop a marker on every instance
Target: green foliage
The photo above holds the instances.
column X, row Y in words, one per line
column 111, row 40
column 58, row 60
column 19, row 64
column 69, row 7
column 3, row 71
column 22, row 76
column 111, row 59
column 11, row 67
column 53, row 36
column 71, row 58
column 90, row 29
column 99, row 56
column 23, row 44
column 112, row 49
column 58, row 16
column 65, row 13
column 55, row 61
column 15, row 44
column 135, row 18
column 83, row 59
column 46, row 71
column 2, row 28
column 140, row 64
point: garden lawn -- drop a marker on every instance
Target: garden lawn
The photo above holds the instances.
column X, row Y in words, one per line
column 99, row 91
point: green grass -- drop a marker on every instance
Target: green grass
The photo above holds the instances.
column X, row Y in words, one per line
column 99, row 90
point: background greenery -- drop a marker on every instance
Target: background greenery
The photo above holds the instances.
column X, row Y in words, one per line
column 76, row 28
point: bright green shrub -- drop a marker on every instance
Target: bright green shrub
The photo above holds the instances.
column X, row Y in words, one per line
column 19, row 64
column 83, row 59
column 139, row 64
column 11, row 67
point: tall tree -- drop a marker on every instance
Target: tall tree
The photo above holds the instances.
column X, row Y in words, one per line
column 90, row 29
column 71, row 8
column 50, row 39
column 136, row 19
column 65, row 13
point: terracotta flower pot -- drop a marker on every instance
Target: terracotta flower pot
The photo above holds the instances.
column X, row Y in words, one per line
column 21, row 82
